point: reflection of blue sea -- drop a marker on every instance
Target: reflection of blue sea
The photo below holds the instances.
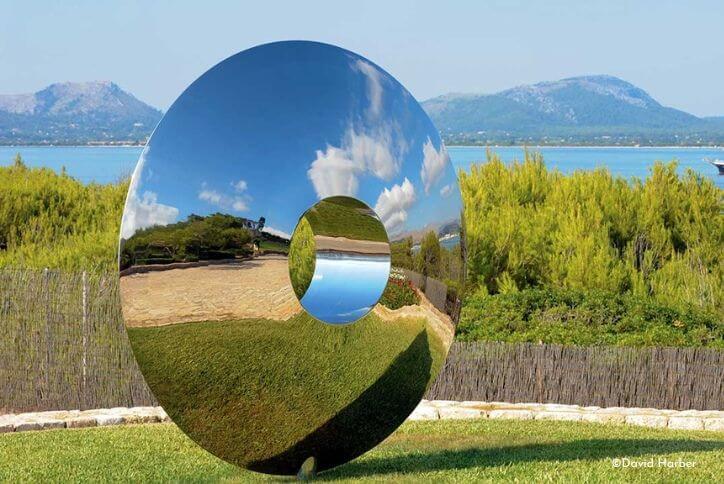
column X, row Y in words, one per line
column 345, row 287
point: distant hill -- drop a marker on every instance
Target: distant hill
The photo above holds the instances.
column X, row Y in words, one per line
column 578, row 109
column 76, row 113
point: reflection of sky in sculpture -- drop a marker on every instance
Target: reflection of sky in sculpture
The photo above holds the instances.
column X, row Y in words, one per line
column 344, row 287
column 270, row 131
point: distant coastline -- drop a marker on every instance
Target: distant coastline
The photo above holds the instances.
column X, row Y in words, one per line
column 128, row 144
column 623, row 147
column 449, row 145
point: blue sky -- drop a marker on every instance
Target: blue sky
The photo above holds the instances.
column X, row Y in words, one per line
column 673, row 49
column 272, row 130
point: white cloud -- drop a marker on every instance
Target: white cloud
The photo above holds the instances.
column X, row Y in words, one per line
column 447, row 190
column 392, row 205
column 239, row 186
column 222, row 200
column 433, row 164
column 144, row 211
column 374, row 85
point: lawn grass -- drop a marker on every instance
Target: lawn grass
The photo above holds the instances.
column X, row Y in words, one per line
column 268, row 394
column 442, row 451
column 345, row 217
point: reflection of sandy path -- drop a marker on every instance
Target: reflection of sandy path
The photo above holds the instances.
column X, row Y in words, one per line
column 343, row 244
column 437, row 321
column 257, row 288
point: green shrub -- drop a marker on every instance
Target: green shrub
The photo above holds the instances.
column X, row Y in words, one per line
column 530, row 227
column 52, row 220
column 586, row 318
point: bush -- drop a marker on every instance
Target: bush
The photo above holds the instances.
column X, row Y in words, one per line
column 586, row 318
column 399, row 293
column 52, row 220
column 530, row 227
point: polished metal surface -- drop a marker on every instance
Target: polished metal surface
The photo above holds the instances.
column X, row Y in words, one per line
column 291, row 251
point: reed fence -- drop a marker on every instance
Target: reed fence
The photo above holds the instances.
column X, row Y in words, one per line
column 608, row 376
column 63, row 346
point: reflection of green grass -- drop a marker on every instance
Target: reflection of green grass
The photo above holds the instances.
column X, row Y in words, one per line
column 345, row 217
column 442, row 451
column 268, row 394
column 271, row 245
column 302, row 258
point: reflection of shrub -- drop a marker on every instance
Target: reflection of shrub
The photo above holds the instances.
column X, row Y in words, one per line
column 585, row 318
column 218, row 236
column 399, row 293
column 302, row 257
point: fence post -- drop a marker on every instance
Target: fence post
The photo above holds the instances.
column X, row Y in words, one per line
column 84, row 336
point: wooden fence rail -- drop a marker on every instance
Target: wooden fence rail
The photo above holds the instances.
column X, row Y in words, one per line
column 63, row 346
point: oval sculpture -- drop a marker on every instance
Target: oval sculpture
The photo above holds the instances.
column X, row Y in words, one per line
column 290, row 138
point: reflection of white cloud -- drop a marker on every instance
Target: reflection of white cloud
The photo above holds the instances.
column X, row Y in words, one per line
column 392, row 205
column 317, row 277
column 239, row 186
column 277, row 232
column 334, row 173
column 433, row 164
column 335, row 170
column 144, row 211
column 374, row 85
column 447, row 190
column 373, row 153
column 222, row 200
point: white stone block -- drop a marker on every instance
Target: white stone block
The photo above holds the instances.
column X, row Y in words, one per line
column 647, row 420
column 686, row 423
column 560, row 416
column 603, row 418
column 81, row 422
column 51, row 423
column 103, row 420
column 716, row 424
column 424, row 412
column 511, row 414
column 460, row 413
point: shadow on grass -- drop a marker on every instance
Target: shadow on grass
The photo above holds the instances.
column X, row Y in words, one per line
column 458, row 459
column 365, row 422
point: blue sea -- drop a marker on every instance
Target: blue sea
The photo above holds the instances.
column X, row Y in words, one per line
column 109, row 164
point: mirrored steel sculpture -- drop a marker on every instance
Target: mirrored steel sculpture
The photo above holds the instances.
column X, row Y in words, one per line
column 290, row 250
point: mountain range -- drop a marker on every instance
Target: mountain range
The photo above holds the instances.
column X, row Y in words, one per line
column 76, row 113
column 586, row 109
column 600, row 110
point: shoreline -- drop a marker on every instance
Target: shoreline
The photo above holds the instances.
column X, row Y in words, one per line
column 647, row 147
column 667, row 147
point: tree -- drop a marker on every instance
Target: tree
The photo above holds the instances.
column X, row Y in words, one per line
column 428, row 259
